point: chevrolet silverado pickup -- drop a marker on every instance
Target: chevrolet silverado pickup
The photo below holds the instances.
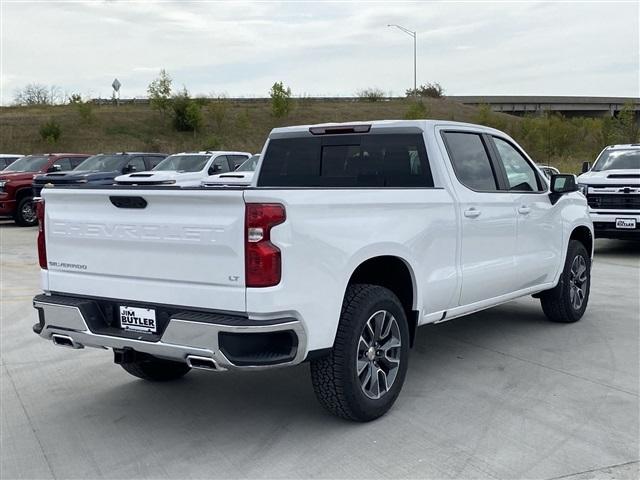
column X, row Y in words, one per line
column 243, row 175
column 16, row 197
column 100, row 169
column 186, row 169
column 612, row 188
column 349, row 238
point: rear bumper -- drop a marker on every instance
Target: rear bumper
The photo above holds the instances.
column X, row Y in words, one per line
column 231, row 342
column 604, row 224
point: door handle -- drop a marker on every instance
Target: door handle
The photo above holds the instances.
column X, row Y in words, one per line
column 472, row 213
column 524, row 210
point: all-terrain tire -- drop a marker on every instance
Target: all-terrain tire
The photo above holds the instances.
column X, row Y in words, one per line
column 156, row 369
column 559, row 303
column 336, row 382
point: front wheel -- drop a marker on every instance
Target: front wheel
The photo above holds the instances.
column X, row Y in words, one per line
column 25, row 215
column 567, row 301
column 156, row 369
column 362, row 376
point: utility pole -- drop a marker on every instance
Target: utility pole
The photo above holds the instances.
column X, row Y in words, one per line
column 411, row 33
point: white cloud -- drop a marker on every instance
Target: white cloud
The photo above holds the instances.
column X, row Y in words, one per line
column 331, row 48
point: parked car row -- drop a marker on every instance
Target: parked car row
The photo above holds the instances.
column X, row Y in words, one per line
column 24, row 177
column 611, row 185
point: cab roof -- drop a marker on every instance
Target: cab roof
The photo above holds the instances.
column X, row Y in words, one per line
column 375, row 125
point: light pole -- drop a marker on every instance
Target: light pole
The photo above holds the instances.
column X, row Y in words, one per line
column 412, row 34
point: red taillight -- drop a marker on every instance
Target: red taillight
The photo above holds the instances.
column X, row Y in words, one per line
column 42, row 245
column 262, row 258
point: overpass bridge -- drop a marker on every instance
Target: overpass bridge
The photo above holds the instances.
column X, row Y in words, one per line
column 568, row 106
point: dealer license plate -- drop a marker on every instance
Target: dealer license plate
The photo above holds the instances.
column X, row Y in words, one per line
column 625, row 223
column 138, row 319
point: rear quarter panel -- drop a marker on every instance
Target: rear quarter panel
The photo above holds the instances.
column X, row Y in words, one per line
column 330, row 232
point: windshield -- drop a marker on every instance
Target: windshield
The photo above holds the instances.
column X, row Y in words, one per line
column 249, row 165
column 183, row 163
column 618, row 160
column 30, row 163
column 102, row 163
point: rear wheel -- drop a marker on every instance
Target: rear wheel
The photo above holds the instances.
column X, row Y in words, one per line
column 25, row 215
column 156, row 369
column 567, row 302
column 362, row 376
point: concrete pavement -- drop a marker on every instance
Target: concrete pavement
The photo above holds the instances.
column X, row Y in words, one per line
column 500, row 394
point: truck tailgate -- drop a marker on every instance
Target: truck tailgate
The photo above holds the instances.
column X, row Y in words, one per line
column 184, row 247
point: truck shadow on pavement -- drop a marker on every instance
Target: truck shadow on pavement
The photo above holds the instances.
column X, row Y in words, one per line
column 204, row 402
column 617, row 248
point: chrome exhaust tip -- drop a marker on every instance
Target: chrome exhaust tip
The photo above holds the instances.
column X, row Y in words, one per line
column 202, row 363
column 65, row 341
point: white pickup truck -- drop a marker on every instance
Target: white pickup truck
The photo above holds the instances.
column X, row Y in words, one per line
column 349, row 238
column 612, row 188
column 186, row 169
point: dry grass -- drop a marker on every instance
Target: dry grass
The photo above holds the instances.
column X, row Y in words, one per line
column 245, row 125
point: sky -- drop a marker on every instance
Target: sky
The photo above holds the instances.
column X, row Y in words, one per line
column 239, row 49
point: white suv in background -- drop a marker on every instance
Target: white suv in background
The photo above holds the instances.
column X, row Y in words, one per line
column 186, row 169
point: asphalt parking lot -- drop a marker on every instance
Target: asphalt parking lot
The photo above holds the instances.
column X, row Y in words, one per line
column 500, row 394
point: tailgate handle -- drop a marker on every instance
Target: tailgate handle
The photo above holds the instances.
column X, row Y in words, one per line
column 128, row 202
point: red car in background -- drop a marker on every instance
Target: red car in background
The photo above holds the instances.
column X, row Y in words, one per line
column 16, row 196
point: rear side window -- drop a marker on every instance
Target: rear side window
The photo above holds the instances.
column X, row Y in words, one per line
column 470, row 160
column 378, row 160
column 65, row 164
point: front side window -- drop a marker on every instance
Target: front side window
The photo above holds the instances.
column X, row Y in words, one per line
column 183, row 163
column 520, row 174
column 618, row 160
column 64, row 163
column 375, row 160
column 102, row 163
column 30, row 163
column 219, row 165
column 136, row 164
column 470, row 161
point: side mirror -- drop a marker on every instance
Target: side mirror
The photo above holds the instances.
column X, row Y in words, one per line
column 561, row 184
column 54, row 168
column 585, row 167
column 129, row 169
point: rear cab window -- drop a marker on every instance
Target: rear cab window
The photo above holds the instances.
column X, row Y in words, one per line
column 391, row 160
